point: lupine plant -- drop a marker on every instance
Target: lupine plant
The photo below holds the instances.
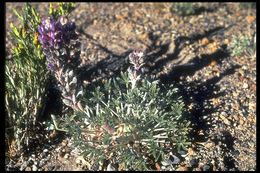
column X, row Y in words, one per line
column 61, row 47
column 129, row 120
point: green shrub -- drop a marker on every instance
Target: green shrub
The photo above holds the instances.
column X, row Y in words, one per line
column 26, row 75
column 247, row 5
column 129, row 119
column 184, row 8
column 63, row 8
column 242, row 44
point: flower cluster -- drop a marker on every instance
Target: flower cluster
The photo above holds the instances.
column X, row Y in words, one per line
column 61, row 47
column 59, row 42
column 135, row 58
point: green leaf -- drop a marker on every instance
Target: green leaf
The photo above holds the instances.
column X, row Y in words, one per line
column 17, row 14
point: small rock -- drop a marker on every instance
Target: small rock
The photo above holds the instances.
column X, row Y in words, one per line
column 66, row 156
column 35, row 163
column 110, row 167
column 236, row 117
column 236, row 153
column 62, row 153
column 34, row 168
column 166, row 162
column 28, row 169
column 191, row 152
column 174, row 159
column 226, row 41
column 206, row 167
column 171, row 48
column 119, row 17
column 23, row 166
column 241, row 121
column 250, row 19
column 209, row 145
column 182, row 153
column 64, row 143
column 30, row 162
column 45, row 150
column 157, row 166
column 204, row 41
column 194, row 162
column 198, row 169
column 41, row 163
column 163, row 168
column 225, row 120
column 182, row 168
column 245, row 85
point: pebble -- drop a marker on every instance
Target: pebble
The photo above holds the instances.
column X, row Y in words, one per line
column 182, row 168
column 163, row 167
column 225, row 120
column 110, row 167
column 166, row 162
column 182, row 153
column 66, row 156
column 209, row 145
column 213, row 20
column 23, row 166
column 198, row 169
column 204, row 41
column 175, row 160
column 191, row 152
column 34, row 168
column 235, row 153
column 241, row 121
column 28, row 169
column 42, row 163
column 194, row 162
column 206, row 168
column 62, row 152
column 35, row 163
column 245, row 85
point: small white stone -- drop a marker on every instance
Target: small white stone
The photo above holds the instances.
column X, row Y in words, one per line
column 245, row 85
column 66, row 156
column 110, row 167
column 34, row 168
column 166, row 162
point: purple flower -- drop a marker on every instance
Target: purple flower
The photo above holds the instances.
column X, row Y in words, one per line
column 52, row 33
column 55, row 36
column 50, row 66
column 136, row 58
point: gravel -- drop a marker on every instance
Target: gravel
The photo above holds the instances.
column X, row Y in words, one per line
column 191, row 52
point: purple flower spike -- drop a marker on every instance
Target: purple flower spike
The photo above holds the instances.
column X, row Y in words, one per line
column 56, row 35
column 136, row 58
column 52, row 32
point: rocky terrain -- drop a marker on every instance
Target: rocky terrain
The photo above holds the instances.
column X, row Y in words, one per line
column 191, row 51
